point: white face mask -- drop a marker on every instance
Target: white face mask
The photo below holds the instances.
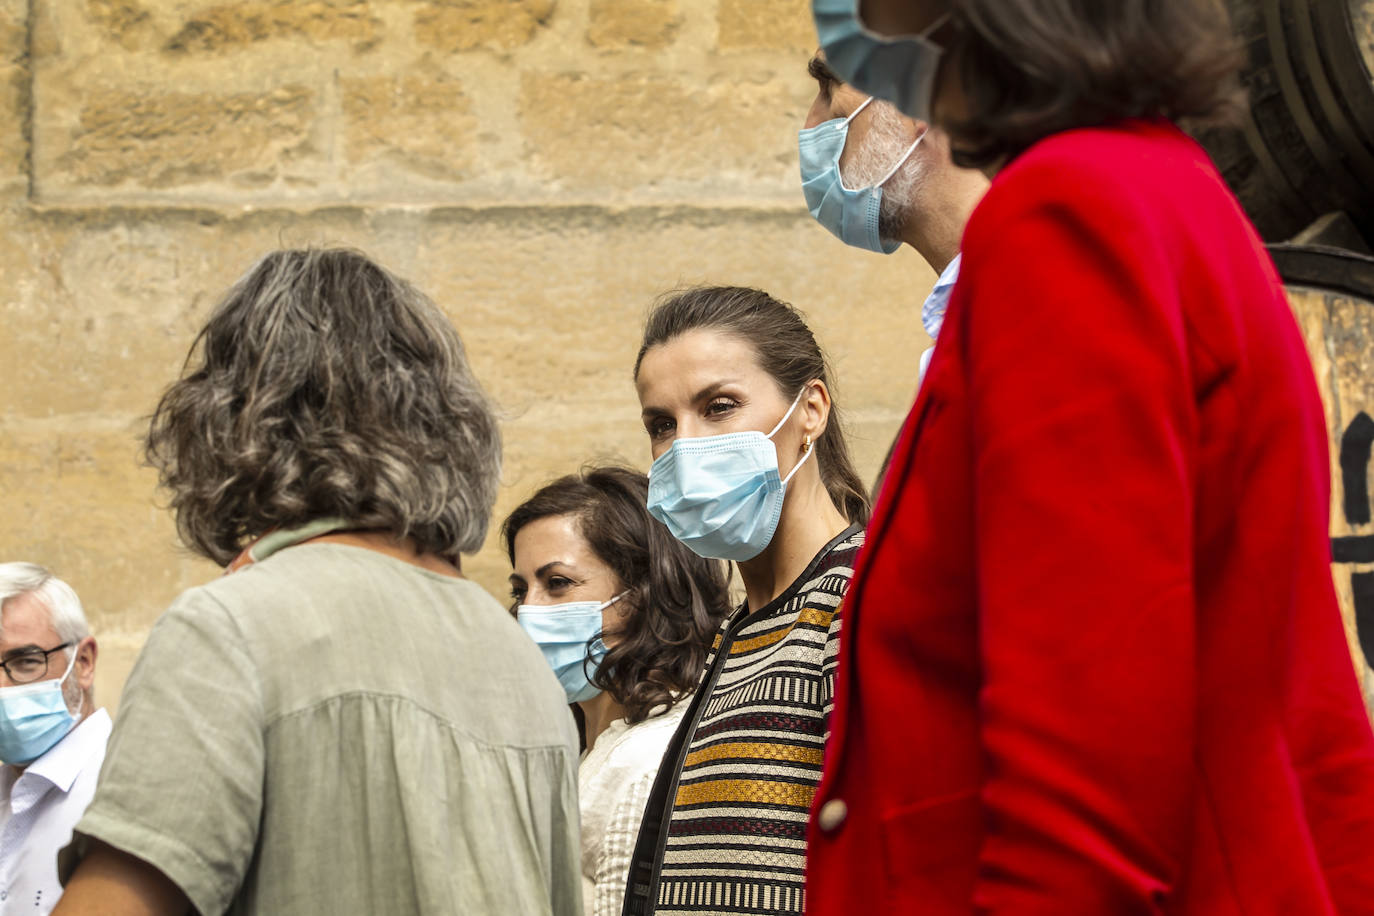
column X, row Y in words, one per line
column 853, row 215
column 34, row 717
column 565, row 633
column 899, row 70
column 722, row 495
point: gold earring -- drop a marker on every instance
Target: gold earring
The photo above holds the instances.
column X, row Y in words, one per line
column 806, row 444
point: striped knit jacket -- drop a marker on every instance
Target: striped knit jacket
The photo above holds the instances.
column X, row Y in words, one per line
column 725, row 827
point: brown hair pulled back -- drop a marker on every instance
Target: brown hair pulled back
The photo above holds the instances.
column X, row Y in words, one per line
column 1032, row 68
column 785, row 348
column 678, row 598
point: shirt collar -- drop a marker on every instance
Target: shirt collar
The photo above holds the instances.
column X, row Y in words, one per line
column 65, row 760
column 282, row 538
column 933, row 310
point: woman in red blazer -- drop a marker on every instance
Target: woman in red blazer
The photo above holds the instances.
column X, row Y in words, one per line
column 1093, row 661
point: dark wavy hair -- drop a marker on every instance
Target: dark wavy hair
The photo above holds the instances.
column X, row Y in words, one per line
column 1032, row 68
column 678, row 599
column 322, row 385
column 786, row 349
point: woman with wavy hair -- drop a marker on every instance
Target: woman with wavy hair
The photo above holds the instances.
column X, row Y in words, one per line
column 625, row 615
column 1094, row 660
column 344, row 723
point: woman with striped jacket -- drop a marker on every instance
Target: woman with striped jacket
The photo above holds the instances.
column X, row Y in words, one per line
column 750, row 465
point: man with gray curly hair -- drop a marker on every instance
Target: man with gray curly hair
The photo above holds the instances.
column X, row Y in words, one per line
column 52, row 738
column 343, row 723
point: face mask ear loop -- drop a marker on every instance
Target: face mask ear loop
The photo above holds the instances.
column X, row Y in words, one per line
column 844, row 125
column 786, row 415
column 71, row 664
column 598, row 637
column 614, row 600
column 797, row 467
column 902, row 161
column 934, row 26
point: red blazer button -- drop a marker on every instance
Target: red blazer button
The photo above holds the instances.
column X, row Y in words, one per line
column 832, row 815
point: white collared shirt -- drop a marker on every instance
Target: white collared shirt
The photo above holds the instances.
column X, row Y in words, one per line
column 38, row 810
column 933, row 309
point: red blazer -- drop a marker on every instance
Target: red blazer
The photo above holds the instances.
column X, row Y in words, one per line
column 1092, row 658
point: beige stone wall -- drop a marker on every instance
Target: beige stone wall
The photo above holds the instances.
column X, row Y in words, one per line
column 542, row 167
column 1340, row 339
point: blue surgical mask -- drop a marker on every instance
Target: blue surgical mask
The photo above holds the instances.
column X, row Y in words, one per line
column 721, row 495
column 850, row 215
column 899, row 70
column 34, row 717
column 563, row 632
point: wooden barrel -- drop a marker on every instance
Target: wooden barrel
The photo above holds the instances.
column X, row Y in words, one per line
column 1307, row 144
column 1332, row 293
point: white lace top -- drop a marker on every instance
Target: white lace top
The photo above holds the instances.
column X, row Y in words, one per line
column 613, row 786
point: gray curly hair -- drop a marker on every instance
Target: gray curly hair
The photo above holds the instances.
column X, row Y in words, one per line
column 326, row 386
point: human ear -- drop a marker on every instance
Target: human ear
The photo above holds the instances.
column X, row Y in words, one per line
column 816, row 409
column 86, row 652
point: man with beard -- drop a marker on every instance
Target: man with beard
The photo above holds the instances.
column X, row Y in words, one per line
column 877, row 179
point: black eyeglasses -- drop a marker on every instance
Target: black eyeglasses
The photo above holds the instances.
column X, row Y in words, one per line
column 27, row 667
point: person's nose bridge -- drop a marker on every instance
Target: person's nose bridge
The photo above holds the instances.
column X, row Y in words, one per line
column 690, row 424
column 534, row 595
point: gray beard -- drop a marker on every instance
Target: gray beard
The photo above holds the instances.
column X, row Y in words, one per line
column 884, row 144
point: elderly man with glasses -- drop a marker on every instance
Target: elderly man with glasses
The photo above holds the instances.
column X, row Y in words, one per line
column 52, row 738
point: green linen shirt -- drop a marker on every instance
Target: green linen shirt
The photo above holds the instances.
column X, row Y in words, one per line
column 334, row 731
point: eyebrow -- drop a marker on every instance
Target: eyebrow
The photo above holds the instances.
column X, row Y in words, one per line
column 709, row 391
column 540, row 572
column 820, row 71
column 21, row 650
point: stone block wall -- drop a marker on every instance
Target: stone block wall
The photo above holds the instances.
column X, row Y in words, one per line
column 543, row 168
column 1339, row 329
